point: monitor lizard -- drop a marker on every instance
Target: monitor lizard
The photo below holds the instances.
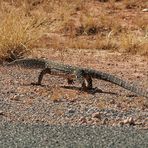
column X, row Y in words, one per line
column 83, row 75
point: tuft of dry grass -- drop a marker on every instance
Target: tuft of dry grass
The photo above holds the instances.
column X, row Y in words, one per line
column 142, row 23
column 88, row 26
column 130, row 4
column 132, row 43
column 18, row 32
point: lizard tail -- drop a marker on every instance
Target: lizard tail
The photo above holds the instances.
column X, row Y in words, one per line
column 115, row 80
column 29, row 63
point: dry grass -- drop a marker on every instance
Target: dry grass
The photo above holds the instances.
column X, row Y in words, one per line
column 101, row 43
column 132, row 43
column 142, row 23
column 130, row 4
column 18, row 32
column 80, row 24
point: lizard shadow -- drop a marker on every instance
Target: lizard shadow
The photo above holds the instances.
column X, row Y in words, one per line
column 92, row 91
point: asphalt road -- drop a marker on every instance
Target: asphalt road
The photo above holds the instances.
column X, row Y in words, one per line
column 33, row 136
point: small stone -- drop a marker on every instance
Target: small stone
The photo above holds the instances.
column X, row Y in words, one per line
column 15, row 97
column 82, row 120
column 114, row 124
column 96, row 115
column 71, row 111
column 112, row 101
column 125, row 121
column 129, row 121
column 89, row 121
column 1, row 112
column 121, row 123
column 95, row 120
column 118, row 105
column 105, row 121
column 145, row 10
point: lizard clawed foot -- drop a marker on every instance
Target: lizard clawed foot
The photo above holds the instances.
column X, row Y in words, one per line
column 94, row 90
column 70, row 81
column 39, row 84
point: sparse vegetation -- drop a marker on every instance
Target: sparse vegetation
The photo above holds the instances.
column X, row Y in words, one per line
column 18, row 32
column 131, row 43
column 78, row 24
column 130, row 4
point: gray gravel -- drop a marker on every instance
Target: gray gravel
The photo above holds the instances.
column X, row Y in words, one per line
column 27, row 114
column 41, row 135
column 22, row 102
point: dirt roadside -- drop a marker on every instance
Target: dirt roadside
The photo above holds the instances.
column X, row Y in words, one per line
column 53, row 104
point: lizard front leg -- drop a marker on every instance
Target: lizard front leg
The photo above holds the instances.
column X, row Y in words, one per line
column 42, row 73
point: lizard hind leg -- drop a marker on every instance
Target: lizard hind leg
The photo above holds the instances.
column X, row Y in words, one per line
column 84, row 80
column 88, row 82
column 89, row 86
column 80, row 78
